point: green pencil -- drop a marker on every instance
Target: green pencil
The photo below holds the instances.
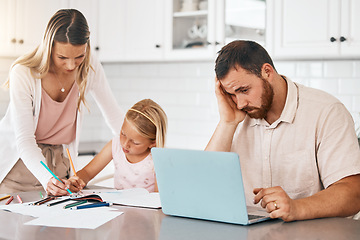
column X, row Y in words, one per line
column 74, row 204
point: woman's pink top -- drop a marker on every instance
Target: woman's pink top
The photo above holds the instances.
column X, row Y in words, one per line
column 132, row 175
column 57, row 120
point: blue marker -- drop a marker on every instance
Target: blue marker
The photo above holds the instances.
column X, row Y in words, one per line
column 54, row 175
column 102, row 204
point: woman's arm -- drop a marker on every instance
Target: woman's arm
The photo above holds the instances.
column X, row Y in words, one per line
column 103, row 96
column 23, row 100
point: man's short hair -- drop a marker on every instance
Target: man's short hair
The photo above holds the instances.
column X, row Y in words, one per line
column 248, row 55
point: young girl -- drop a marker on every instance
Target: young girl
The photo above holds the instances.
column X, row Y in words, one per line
column 144, row 127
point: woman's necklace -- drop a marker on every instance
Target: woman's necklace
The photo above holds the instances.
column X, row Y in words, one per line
column 62, row 88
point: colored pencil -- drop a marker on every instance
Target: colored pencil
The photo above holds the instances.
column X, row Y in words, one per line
column 9, row 201
column 74, row 204
column 71, row 162
column 41, row 195
column 58, row 202
column 54, row 175
column 5, row 197
column 46, row 200
column 35, row 203
column 94, row 205
column 19, row 199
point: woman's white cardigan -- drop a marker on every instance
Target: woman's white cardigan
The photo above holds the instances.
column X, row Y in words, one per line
column 17, row 128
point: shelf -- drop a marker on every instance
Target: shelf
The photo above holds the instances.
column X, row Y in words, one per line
column 190, row 14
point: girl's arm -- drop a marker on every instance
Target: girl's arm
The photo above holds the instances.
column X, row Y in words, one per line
column 98, row 163
column 156, row 189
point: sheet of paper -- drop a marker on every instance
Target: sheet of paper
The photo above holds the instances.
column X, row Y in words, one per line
column 137, row 197
column 86, row 218
column 57, row 216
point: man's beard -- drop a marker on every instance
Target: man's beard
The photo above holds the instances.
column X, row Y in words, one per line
column 266, row 102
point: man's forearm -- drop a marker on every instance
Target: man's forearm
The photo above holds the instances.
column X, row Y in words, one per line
column 222, row 138
column 342, row 199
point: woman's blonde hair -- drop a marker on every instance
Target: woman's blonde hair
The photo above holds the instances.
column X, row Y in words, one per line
column 65, row 26
column 150, row 120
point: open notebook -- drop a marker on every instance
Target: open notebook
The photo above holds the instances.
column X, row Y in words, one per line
column 202, row 184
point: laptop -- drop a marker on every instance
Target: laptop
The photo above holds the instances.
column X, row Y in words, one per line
column 203, row 185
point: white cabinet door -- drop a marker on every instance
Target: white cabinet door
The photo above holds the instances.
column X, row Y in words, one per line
column 144, row 29
column 310, row 29
column 191, row 32
column 23, row 24
column 350, row 28
column 131, row 30
column 303, row 28
column 7, row 27
column 110, row 32
column 31, row 20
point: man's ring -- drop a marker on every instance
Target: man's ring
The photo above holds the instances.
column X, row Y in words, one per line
column 275, row 205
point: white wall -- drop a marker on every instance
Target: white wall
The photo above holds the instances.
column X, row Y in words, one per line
column 186, row 92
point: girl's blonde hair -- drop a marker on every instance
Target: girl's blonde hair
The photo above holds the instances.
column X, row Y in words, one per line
column 65, row 26
column 150, row 120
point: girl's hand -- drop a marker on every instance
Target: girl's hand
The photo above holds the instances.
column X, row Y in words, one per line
column 57, row 188
column 76, row 184
column 229, row 113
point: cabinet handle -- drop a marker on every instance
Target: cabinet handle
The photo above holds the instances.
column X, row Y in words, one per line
column 97, row 48
column 157, row 46
column 342, row 39
column 21, row 41
column 13, row 40
column 332, row 39
column 215, row 43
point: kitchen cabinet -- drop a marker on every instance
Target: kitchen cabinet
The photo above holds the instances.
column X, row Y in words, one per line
column 307, row 29
column 245, row 19
column 194, row 30
column 22, row 24
column 199, row 31
column 131, row 30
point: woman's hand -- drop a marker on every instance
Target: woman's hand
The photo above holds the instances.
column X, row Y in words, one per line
column 57, row 188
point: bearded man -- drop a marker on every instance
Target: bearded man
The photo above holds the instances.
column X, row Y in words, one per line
column 297, row 146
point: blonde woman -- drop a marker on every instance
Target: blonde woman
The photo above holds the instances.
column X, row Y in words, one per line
column 144, row 127
column 47, row 98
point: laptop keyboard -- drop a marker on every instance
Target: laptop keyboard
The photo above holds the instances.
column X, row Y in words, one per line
column 252, row 217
